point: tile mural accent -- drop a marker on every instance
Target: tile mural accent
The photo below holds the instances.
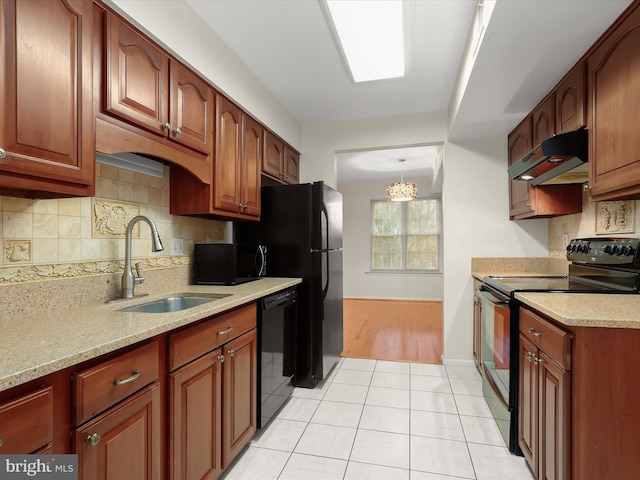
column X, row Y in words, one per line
column 110, row 219
column 32, row 273
column 16, row 251
column 615, row 217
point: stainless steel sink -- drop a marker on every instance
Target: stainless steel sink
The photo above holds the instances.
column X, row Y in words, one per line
column 175, row 303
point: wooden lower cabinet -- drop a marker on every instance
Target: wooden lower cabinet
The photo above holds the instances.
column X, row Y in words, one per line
column 26, row 422
column 123, row 442
column 212, row 398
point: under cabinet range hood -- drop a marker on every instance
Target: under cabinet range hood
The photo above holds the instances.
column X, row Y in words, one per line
column 558, row 160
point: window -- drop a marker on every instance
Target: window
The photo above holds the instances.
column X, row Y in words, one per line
column 405, row 236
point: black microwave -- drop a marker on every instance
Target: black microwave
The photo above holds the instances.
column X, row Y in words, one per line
column 228, row 263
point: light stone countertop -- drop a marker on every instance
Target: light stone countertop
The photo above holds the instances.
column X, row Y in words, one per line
column 606, row 310
column 34, row 346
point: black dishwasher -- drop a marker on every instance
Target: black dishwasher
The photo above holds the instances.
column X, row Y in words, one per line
column 277, row 352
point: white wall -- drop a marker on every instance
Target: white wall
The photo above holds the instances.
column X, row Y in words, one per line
column 476, row 224
column 175, row 25
column 357, row 251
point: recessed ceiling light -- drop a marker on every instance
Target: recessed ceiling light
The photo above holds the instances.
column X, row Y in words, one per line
column 370, row 36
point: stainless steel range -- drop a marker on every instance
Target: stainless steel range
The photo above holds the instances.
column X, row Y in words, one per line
column 598, row 265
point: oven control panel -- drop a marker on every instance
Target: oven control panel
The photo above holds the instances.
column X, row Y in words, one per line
column 622, row 252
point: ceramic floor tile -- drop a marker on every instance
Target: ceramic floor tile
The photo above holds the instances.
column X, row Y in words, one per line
column 416, row 475
column 466, row 386
column 472, row 406
column 353, row 377
column 388, row 397
column 312, row 393
column 428, row 369
column 437, row 425
column 300, row 409
column 311, row 467
column 496, row 463
column 381, row 448
column 444, row 457
column 430, row 384
column 338, row 413
column 326, row 441
column 259, row 464
column 433, row 402
column 482, row 430
column 390, row 380
column 385, row 419
column 358, row 364
column 280, row 435
column 341, row 392
column 367, row 471
column 455, row 371
column 393, row 367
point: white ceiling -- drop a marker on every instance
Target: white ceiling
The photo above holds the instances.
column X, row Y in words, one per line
column 527, row 48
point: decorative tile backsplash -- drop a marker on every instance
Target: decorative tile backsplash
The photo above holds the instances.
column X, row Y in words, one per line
column 75, row 237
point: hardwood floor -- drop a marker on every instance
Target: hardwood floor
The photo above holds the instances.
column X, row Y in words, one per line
column 403, row 330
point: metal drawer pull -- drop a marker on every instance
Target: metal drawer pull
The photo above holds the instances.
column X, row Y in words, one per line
column 226, row 330
column 134, row 375
column 537, row 361
column 535, row 332
column 3, row 153
column 1, row 441
column 94, row 439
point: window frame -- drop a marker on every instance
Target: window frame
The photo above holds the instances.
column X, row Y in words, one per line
column 404, row 212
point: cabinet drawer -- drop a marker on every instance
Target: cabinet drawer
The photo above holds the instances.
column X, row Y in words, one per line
column 102, row 386
column 195, row 341
column 554, row 341
column 26, row 423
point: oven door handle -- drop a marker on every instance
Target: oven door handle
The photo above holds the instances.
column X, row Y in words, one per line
column 492, row 296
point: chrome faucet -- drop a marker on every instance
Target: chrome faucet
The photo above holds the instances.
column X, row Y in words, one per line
column 129, row 280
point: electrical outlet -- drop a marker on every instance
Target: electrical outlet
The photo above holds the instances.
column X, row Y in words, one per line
column 177, row 246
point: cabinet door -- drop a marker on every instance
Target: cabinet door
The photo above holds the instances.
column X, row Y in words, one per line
column 273, row 160
column 544, row 120
column 26, row 422
column 239, row 417
column 195, row 415
column 520, row 143
column 251, row 165
column 571, row 100
column 137, row 83
column 192, row 106
column 528, row 403
column 291, row 166
column 613, row 104
column 553, row 423
column 227, row 194
column 123, row 442
column 47, row 128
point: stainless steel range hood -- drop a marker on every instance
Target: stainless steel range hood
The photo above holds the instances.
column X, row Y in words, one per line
column 558, row 160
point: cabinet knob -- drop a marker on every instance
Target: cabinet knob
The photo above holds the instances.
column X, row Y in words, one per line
column 232, row 352
column 221, row 358
column 529, row 356
column 534, row 332
column 93, row 440
column 177, row 131
column 166, row 126
column 3, row 153
column 537, row 361
column 1, row 441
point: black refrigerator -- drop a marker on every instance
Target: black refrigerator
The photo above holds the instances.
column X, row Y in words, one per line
column 301, row 225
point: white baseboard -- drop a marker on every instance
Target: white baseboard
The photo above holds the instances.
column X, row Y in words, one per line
column 458, row 362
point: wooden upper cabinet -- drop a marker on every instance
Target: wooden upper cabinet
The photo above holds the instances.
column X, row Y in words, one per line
column 544, row 120
column 227, row 194
column 273, row 160
column 291, row 166
column 252, row 157
column 47, row 127
column 520, row 143
column 571, row 101
column 191, row 109
column 137, row 87
column 613, row 76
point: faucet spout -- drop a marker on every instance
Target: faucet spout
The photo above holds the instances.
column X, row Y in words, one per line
column 129, row 279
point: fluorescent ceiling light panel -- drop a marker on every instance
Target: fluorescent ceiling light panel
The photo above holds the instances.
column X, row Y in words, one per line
column 371, row 35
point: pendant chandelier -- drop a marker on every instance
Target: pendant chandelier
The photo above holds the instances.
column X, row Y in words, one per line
column 402, row 191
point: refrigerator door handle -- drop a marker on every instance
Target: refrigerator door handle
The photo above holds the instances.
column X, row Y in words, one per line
column 325, row 288
column 325, row 217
